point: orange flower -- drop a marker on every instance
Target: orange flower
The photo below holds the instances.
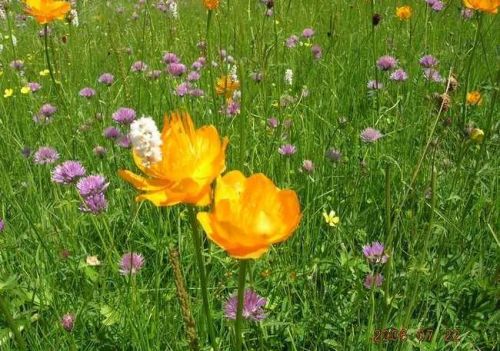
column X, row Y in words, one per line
column 250, row 214
column 191, row 160
column 490, row 6
column 226, row 85
column 46, row 11
column 403, row 12
column 211, row 4
column 474, row 98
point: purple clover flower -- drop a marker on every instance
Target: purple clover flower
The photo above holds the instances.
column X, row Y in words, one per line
column 252, row 306
column 2, row 225
column 124, row 115
column 106, row 79
column 292, row 41
column 370, row 135
column 375, row 253
column 68, row 322
column 386, row 63
column 193, row 76
column 308, row 166
column 432, row 74
column 372, row 281
column 308, row 33
column 47, row 110
column 124, row 141
column 428, row 61
column 34, row 86
column 316, row 51
column 87, row 93
column 112, row 133
column 170, row 57
column 131, row 263
column 273, row 122
column 287, row 150
column 182, row 89
column 176, row 69
column 399, row 75
column 138, row 66
column 68, row 172
column 45, row 155
column 91, row 185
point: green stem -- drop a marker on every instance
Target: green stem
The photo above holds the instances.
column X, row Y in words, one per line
column 47, row 56
column 239, row 310
column 203, row 276
column 5, row 311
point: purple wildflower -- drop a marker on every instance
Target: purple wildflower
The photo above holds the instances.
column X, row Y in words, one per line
column 176, row 69
column 316, row 51
column 374, row 85
column 399, row 75
column 91, row 185
column 308, row 33
column 198, row 64
column 34, row 86
column 17, row 65
column 292, row 41
column 373, row 281
column 273, row 122
column 287, row 150
column 47, row 110
column 370, row 135
column 386, row 63
column 333, row 155
column 45, row 155
column 232, row 109
column 94, row 203
column 196, row 92
column 467, row 14
column 436, row 5
column 106, row 79
column 428, row 61
column 252, row 306
column 432, row 74
column 2, row 225
column 124, row 115
column 68, row 321
column 131, row 263
column 182, row 89
column 375, row 253
column 193, row 76
column 170, row 57
column 138, row 66
column 111, row 133
column 308, row 166
column 124, row 141
column 87, row 93
column 68, row 172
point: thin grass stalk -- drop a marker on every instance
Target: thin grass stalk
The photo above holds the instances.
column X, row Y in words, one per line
column 239, row 310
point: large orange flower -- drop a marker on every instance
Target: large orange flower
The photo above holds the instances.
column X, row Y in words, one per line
column 191, row 160
column 490, row 6
column 46, row 11
column 211, row 4
column 250, row 214
column 226, row 86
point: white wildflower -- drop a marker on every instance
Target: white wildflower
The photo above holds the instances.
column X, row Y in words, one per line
column 289, row 76
column 146, row 140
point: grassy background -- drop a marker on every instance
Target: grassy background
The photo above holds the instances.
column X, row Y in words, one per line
column 443, row 271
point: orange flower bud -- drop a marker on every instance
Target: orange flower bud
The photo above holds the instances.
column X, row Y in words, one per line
column 211, row 4
column 250, row 214
column 490, row 6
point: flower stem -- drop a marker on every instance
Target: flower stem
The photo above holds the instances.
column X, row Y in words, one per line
column 47, row 56
column 203, row 276
column 5, row 311
column 239, row 310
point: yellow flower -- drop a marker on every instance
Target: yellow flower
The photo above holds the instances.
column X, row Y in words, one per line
column 8, row 93
column 191, row 160
column 93, row 261
column 331, row 219
column 474, row 98
column 490, row 6
column 226, row 86
column 476, row 135
column 250, row 214
column 211, row 4
column 46, row 11
column 403, row 12
column 44, row 73
column 25, row 90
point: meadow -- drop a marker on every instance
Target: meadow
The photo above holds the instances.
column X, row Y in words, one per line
column 381, row 117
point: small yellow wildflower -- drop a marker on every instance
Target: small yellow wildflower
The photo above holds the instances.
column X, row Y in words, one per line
column 25, row 90
column 331, row 219
column 44, row 73
column 8, row 93
column 474, row 98
column 403, row 12
column 93, row 261
column 476, row 135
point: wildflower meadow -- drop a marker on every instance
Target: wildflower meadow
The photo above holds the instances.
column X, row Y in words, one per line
column 249, row 175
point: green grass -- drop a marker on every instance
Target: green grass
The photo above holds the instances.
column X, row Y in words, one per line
column 444, row 250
